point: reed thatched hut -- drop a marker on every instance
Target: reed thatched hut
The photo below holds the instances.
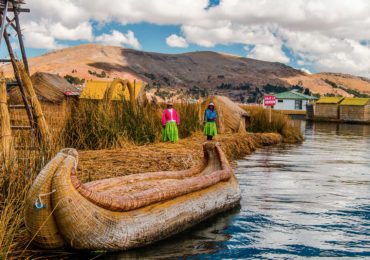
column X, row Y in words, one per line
column 231, row 117
column 327, row 108
column 54, row 94
column 49, row 88
column 355, row 110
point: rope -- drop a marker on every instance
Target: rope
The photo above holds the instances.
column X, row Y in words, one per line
column 38, row 201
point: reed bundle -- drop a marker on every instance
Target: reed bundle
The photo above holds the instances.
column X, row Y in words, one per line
column 42, row 126
column 7, row 147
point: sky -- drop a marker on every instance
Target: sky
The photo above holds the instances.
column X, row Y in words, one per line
column 312, row 35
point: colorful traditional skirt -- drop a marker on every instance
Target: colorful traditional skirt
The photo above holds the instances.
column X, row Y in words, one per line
column 210, row 129
column 170, row 132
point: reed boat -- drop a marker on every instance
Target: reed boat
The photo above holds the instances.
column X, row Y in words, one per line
column 125, row 212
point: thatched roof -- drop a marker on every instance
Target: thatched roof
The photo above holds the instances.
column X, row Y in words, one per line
column 231, row 115
column 48, row 87
column 355, row 102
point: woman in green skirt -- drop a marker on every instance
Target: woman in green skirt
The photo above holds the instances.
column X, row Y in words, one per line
column 170, row 121
column 210, row 117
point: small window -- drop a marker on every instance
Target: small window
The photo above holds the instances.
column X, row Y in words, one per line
column 280, row 101
column 298, row 104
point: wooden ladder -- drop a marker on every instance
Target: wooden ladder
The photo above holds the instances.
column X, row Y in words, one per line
column 13, row 6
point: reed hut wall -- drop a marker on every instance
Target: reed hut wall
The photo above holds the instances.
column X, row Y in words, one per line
column 327, row 111
column 355, row 113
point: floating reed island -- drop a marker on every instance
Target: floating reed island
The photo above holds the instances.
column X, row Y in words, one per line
column 123, row 177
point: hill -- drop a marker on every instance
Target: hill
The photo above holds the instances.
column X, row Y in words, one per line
column 211, row 72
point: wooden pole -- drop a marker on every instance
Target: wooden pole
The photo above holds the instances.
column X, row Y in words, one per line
column 7, row 145
column 270, row 111
column 19, row 33
column 19, row 81
column 3, row 20
column 36, row 106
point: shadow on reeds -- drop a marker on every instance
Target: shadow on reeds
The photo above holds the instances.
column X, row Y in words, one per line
column 259, row 123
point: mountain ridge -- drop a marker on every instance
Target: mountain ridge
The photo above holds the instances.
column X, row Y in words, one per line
column 202, row 69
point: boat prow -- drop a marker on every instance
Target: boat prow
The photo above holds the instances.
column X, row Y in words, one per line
column 125, row 212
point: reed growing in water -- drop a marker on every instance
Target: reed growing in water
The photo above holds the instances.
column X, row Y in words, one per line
column 280, row 123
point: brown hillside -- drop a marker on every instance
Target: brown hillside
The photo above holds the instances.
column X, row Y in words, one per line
column 201, row 69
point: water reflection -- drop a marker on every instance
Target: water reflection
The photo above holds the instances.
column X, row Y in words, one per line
column 309, row 200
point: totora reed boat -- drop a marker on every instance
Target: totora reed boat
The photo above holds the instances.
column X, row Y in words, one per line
column 125, row 212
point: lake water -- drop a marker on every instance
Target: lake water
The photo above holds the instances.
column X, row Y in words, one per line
column 308, row 200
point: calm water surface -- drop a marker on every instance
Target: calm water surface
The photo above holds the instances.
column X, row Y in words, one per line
column 309, row 200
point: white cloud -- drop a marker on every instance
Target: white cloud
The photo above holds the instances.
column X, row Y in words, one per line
column 272, row 53
column 82, row 31
column 176, row 41
column 307, row 71
column 324, row 33
column 117, row 38
column 326, row 53
column 38, row 36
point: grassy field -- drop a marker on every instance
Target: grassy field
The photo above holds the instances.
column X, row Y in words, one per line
column 102, row 134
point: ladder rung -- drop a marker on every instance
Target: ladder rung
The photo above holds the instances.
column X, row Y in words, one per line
column 21, row 127
column 11, row 84
column 26, row 148
column 17, row 107
column 5, row 60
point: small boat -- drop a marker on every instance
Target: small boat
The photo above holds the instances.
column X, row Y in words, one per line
column 125, row 212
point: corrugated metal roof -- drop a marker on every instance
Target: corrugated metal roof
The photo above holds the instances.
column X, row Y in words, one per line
column 294, row 95
column 329, row 100
column 355, row 102
column 95, row 89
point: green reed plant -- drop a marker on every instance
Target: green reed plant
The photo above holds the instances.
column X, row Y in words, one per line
column 93, row 125
column 189, row 119
column 280, row 123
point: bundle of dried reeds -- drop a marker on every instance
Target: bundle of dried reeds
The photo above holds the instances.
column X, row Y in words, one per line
column 7, row 148
column 36, row 106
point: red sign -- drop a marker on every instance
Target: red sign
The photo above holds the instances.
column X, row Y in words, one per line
column 269, row 100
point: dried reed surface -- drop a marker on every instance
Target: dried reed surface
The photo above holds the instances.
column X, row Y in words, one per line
column 165, row 156
column 280, row 123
